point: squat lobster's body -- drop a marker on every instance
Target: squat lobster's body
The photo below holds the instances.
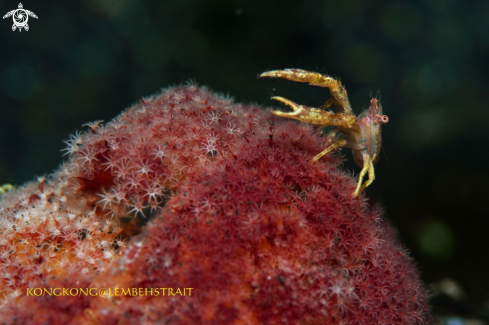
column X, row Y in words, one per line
column 360, row 133
column 369, row 123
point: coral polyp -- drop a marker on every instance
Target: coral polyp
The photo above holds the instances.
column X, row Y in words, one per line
column 234, row 210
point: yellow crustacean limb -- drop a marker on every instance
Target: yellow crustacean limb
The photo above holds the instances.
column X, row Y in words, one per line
column 337, row 144
column 368, row 166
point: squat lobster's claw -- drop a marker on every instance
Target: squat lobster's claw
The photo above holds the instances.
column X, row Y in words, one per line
column 316, row 116
column 315, row 79
column 297, row 108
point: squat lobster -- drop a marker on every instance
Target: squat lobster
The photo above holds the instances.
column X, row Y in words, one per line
column 360, row 133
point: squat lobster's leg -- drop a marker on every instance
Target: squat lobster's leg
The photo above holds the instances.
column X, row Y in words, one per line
column 315, row 116
column 337, row 144
column 368, row 166
column 315, row 79
column 328, row 103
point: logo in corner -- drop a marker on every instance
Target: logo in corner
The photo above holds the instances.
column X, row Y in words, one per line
column 20, row 17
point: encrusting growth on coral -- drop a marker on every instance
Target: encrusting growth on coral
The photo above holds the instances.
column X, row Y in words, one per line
column 188, row 189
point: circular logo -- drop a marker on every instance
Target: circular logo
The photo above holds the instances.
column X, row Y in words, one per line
column 20, row 18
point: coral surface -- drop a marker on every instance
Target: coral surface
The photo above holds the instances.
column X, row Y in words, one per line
column 219, row 202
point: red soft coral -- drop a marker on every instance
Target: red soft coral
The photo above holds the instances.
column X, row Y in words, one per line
column 239, row 213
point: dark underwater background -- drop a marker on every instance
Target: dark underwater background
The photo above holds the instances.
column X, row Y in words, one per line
column 88, row 60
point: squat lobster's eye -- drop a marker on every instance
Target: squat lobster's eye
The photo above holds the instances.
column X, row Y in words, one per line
column 382, row 119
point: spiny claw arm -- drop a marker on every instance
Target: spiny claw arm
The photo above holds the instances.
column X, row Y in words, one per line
column 315, row 116
column 315, row 79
